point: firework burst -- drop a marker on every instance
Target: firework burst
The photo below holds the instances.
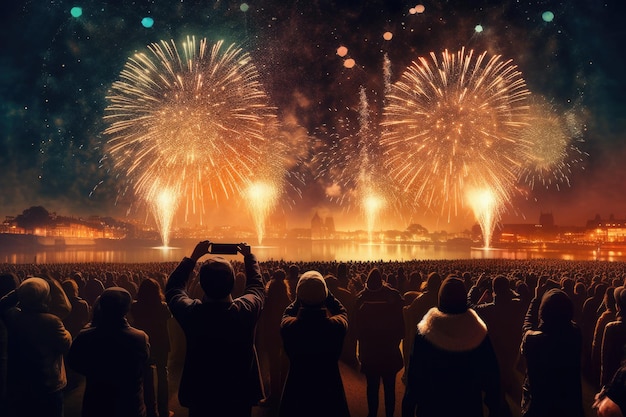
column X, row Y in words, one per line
column 553, row 150
column 194, row 121
column 451, row 125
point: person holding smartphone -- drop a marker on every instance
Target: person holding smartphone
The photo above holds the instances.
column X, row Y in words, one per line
column 220, row 376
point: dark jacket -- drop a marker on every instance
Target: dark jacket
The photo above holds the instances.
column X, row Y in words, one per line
column 313, row 338
column 220, row 372
column 553, row 360
column 112, row 357
column 380, row 328
column 452, row 365
column 37, row 341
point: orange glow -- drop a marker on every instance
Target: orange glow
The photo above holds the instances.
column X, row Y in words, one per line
column 342, row 51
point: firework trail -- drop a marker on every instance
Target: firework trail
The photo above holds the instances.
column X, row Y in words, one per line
column 553, row 150
column 452, row 124
column 194, row 121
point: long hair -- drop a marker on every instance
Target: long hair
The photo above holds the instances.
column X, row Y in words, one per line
column 150, row 291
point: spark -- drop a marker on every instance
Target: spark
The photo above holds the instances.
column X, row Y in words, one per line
column 553, row 150
column 193, row 120
column 486, row 207
column 452, row 124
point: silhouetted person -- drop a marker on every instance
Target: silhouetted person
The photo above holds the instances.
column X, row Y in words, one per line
column 379, row 330
column 271, row 345
column 112, row 356
column 611, row 401
column 609, row 315
column 551, row 345
column 151, row 314
column 614, row 339
column 313, row 328
column 37, row 341
column 8, row 283
column 414, row 313
column 348, row 300
column 220, row 374
column 93, row 290
column 452, row 363
column 74, row 322
column 79, row 316
column 504, row 317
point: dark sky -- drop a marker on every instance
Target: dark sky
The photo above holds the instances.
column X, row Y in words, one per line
column 56, row 69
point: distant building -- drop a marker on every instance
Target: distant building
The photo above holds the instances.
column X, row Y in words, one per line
column 611, row 230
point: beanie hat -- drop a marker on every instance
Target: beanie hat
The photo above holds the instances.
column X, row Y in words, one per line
column 217, row 277
column 453, row 296
column 114, row 303
column 374, row 280
column 311, row 289
column 33, row 293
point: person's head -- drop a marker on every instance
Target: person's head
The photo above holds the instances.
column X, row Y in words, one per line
column 311, row 290
column 556, row 309
column 501, row 286
column 113, row 304
column 620, row 300
column 150, row 291
column 279, row 275
column 70, row 287
column 8, row 282
column 452, row 296
column 294, row 271
column 34, row 294
column 374, row 280
column 433, row 282
column 217, row 278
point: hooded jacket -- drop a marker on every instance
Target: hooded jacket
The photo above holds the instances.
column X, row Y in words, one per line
column 451, row 366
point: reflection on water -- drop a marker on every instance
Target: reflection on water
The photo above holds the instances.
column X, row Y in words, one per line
column 302, row 250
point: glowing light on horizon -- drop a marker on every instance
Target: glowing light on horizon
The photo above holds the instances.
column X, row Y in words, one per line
column 372, row 206
column 452, row 123
column 192, row 118
column 163, row 203
column 261, row 198
column 486, row 207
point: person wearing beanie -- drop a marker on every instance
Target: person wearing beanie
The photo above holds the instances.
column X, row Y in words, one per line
column 380, row 329
column 453, row 365
column 111, row 355
column 37, row 341
column 220, row 374
column 313, row 328
column 551, row 346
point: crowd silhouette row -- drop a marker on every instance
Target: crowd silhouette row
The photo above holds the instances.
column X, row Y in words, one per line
column 467, row 337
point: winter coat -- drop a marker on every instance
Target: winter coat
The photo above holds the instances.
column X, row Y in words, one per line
column 452, row 365
column 380, row 329
column 220, row 372
column 112, row 357
column 313, row 338
column 553, row 385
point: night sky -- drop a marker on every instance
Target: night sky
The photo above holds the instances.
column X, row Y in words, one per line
column 56, row 69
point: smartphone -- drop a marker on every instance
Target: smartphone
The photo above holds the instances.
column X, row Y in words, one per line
column 224, row 248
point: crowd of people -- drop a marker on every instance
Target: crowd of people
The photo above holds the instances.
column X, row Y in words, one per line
column 467, row 337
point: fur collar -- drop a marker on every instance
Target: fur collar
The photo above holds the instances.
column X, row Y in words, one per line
column 453, row 332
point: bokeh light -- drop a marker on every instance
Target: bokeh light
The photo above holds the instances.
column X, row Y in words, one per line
column 76, row 11
column 342, row 51
column 349, row 63
column 387, row 36
column 420, row 8
column 244, row 7
column 478, row 28
column 147, row 22
column 547, row 16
